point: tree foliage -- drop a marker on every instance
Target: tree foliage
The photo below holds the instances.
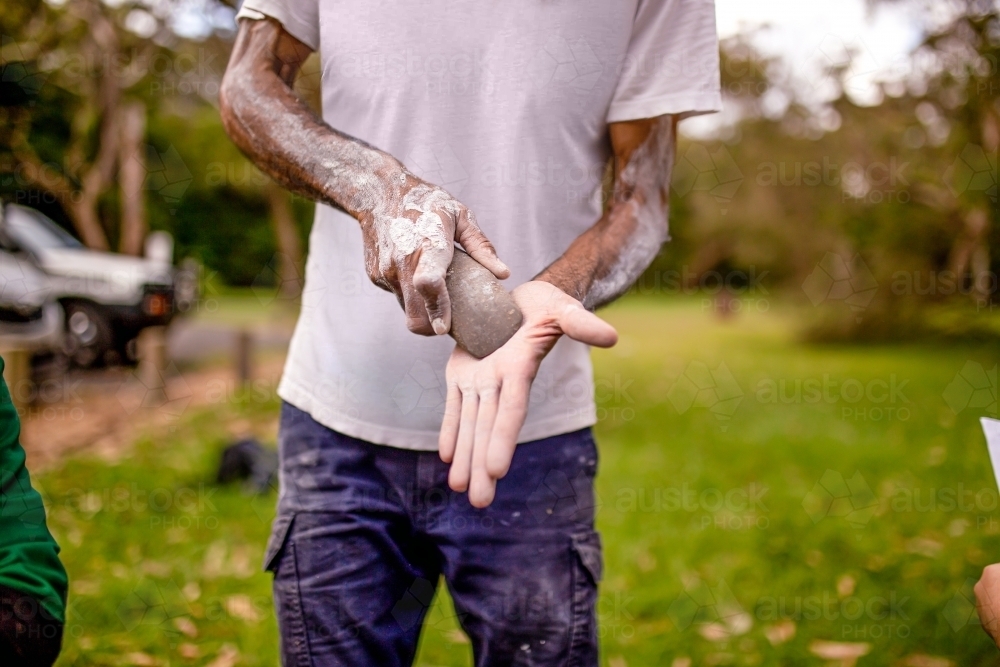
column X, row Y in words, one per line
column 880, row 213
column 883, row 216
column 108, row 123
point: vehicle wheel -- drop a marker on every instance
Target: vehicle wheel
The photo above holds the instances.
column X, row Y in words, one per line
column 88, row 335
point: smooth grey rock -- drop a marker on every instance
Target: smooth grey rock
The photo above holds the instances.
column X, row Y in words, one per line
column 483, row 314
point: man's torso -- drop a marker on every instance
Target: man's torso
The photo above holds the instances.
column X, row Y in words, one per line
column 503, row 105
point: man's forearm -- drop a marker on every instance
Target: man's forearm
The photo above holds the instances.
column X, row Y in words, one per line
column 603, row 262
column 408, row 226
column 285, row 139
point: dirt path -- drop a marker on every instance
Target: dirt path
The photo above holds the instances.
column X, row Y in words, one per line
column 104, row 412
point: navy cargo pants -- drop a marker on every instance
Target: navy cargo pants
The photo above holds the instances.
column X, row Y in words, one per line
column 364, row 532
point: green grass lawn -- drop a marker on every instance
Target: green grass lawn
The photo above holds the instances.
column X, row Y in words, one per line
column 756, row 496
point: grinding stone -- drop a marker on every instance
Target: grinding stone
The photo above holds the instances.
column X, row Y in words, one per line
column 483, row 314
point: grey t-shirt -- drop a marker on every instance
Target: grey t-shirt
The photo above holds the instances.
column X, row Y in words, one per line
column 506, row 106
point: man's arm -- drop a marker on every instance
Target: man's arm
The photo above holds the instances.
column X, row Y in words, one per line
column 607, row 259
column 488, row 399
column 409, row 226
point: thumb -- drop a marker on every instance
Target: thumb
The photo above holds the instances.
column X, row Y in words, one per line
column 580, row 324
column 472, row 239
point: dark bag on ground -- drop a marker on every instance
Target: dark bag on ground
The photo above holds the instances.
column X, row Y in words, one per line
column 249, row 461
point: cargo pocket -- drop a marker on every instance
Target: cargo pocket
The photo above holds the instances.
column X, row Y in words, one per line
column 280, row 559
column 588, row 569
column 275, row 543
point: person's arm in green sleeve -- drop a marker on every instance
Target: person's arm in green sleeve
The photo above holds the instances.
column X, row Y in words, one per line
column 33, row 580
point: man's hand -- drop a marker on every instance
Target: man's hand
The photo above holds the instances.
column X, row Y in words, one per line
column 988, row 601
column 488, row 398
column 409, row 234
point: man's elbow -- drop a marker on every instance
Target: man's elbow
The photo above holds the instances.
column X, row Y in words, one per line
column 661, row 232
column 653, row 225
column 231, row 94
column 237, row 95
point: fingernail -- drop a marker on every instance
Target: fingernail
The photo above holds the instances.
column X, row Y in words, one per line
column 438, row 325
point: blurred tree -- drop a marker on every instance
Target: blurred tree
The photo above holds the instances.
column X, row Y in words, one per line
column 107, row 111
column 87, row 90
column 879, row 208
column 963, row 89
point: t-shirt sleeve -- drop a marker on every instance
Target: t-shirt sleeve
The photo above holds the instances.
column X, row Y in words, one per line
column 672, row 63
column 299, row 17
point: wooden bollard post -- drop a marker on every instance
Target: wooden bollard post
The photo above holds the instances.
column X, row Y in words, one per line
column 17, row 375
column 244, row 356
column 152, row 349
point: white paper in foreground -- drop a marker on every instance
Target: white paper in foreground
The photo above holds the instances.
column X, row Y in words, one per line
column 991, row 427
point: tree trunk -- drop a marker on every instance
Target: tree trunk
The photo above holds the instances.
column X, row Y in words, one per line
column 98, row 176
column 970, row 252
column 132, row 172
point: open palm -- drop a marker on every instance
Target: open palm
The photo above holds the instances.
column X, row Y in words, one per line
column 488, row 398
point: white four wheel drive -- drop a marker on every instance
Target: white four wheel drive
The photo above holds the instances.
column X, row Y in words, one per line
column 102, row 300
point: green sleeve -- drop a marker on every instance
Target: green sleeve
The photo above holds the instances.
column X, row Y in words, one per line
column 29, row 555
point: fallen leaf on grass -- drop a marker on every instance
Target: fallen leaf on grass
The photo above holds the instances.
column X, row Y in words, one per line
column 781, row 632
column 228, row 657
column 241, row 606
column 714, row 632
column 923, row 660
column 140, row 659
column 924, row 546
column 84, row 587
column 846, row 653
column 845, row 585
column 645, row 561
column 733, row 625
column 188, row 651
column 215, row 560
column 156, row 568
column 186, row 625
column 740, row 623
column 192, row 591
